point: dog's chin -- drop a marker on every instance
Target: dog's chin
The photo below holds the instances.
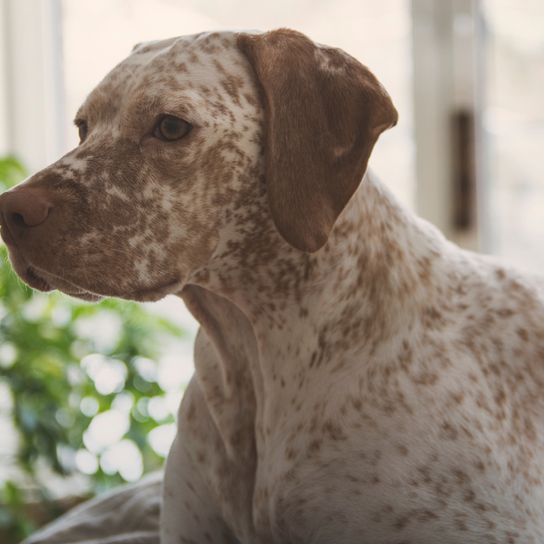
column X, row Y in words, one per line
column 42, row 282
column 157, row 292
column 83, row 295
column 147, row 294
column 45, row 281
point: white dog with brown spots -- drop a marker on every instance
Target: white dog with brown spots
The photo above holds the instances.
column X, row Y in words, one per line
column 358, row 379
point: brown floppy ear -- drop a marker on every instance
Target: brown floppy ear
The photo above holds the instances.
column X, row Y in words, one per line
column 324, row 112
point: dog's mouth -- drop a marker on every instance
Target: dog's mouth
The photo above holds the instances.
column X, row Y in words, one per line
column 36, row 280
column 45, row 281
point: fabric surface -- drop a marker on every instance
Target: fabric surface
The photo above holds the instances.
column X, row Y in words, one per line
column 128, row 514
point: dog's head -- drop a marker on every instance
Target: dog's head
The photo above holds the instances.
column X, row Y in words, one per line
column 190, row 141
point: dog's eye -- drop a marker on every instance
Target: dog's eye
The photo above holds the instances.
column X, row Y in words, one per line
column 82, row 128
column 170, row 128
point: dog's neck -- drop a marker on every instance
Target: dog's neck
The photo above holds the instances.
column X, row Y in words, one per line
column 376, row 268
column 376, row 261
column 275, row 314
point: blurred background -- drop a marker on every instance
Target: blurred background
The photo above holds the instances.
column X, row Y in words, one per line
column 88, row 393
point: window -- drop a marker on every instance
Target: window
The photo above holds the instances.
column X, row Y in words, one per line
column 514, row 128
column 432, row 56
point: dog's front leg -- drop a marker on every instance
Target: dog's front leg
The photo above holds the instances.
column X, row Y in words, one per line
column 189, row 514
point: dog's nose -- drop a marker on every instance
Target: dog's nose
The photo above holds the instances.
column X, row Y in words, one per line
column 23, row 208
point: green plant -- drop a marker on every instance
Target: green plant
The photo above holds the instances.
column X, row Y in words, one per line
column 63, row 378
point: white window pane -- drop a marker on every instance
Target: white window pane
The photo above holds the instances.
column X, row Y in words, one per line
column 514, row 121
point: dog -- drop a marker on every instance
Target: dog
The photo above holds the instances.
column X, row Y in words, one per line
column 359, row 379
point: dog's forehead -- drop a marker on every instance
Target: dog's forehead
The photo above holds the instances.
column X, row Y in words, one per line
column 206, row 42
column 184, row 62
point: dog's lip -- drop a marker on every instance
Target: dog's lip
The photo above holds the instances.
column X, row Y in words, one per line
column 8, row 238
column 146, row 294
column 45, row 281
column 67, row 287
column 35, row 280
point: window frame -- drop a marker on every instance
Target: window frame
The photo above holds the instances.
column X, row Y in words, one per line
column 447, row 40
column 31, row 101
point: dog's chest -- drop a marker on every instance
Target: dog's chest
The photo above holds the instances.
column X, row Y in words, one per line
column 431, row 438
column 396, row 458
